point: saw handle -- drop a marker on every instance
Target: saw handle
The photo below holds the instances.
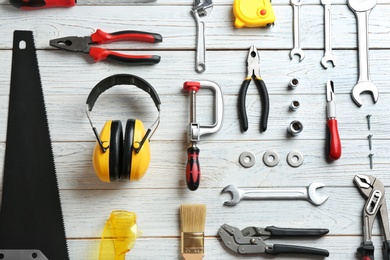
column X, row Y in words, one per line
column 193, row 168
column 281, row 248
column 40, row 4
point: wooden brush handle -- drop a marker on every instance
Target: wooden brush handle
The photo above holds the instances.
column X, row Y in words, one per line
column 193, row 256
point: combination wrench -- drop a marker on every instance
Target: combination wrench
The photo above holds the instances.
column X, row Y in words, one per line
column 362, row 9
column 328, row 56
column 297, row 50
column 309, row 194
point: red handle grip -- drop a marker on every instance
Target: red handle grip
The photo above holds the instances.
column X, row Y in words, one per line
column 40, row 4
column 101, row 37
column 99, row 54
column 334, row 143
column 193, row 168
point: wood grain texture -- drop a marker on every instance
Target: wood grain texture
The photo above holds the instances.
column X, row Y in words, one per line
column 67, row 79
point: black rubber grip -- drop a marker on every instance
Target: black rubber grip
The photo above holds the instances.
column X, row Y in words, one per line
column 275, row 231
column 242, row 105
column 280, row 248
column 264, row 104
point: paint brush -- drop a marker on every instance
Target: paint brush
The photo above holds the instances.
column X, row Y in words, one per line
column 192, row 220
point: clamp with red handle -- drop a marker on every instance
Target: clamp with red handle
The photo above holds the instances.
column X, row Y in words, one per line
column 333, row 140
column 40, row 4
column 83, row 44
column 196, row 130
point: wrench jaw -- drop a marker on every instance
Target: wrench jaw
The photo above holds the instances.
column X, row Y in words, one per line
column 361, row 87
column 328, row 59
column 236, row 196
column 298, row 52
column 314, row 197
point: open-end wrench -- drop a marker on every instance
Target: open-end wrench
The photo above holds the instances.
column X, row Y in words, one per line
column 328, row 56
column 362, row 9
column 309, row 194
column 201, row 10
column 297, row 50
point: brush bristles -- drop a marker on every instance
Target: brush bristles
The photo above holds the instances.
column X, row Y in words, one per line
column 192, row 217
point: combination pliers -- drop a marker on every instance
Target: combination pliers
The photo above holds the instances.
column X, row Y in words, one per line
column 250, row 240
column 83, row 44
column 373, row 190
column 253, row 63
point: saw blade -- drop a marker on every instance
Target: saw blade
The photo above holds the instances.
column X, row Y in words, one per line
column 31, row 216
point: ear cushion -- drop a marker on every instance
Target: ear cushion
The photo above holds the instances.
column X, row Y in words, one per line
column 127, row 150
column 116, row 150
column 139, row 161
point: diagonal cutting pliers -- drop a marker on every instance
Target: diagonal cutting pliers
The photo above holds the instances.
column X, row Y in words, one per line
column 373, row 190
column 250, row 240
column 83, row 44
column 253, row 63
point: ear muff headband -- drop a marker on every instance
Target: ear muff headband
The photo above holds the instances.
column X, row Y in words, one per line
column 122, row 79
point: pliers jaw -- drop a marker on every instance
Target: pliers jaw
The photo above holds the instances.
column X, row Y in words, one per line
column 72, row 43
column 253, row 63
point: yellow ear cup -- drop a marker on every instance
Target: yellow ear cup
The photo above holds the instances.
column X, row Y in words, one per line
column 101, row 160
column 140, row 161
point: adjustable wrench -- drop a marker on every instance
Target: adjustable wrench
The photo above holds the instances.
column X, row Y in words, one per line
column 296, row 4
column 362, row 9
column 308, row 194
column 200, row 12
column 328, row 56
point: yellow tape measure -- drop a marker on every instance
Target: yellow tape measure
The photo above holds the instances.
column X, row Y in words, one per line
column 253, row 13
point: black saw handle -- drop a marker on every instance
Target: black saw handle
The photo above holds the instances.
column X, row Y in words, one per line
column 281, row 248
column 275, row 231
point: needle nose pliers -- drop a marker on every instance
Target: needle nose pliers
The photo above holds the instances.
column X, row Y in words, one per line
column 82, row 44
column 253, row 63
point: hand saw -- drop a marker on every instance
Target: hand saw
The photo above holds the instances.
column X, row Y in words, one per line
column 31, row 223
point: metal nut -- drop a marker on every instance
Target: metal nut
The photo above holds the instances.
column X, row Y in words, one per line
column 293, row 83
column 247, row 159
column 294, row 105
column 295, row 127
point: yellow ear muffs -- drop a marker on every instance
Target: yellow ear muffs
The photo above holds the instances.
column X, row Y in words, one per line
column 108, row 164
column 115, row 159
column 135, row 164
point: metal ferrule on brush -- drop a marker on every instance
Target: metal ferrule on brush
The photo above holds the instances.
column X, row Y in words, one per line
column 192, row 242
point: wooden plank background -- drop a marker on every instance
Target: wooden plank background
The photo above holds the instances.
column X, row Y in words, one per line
column 67, row 79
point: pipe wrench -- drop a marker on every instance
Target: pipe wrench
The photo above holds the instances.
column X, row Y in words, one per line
column 195, row 130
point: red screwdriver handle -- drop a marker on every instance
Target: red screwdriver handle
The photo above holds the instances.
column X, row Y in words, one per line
column 39, row 4
column 334, row 143
column 101, row 37
column 193, row 168
column 99, row 54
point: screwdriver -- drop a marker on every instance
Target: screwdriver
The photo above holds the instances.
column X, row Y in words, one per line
column 40, row 4
column 333, row 140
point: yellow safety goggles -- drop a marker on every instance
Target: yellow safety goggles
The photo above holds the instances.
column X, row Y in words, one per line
column 119, row 235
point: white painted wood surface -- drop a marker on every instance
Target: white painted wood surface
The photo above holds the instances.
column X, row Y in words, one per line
column 67, row 79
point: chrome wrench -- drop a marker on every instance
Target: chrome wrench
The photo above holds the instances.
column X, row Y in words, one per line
column 328, row 56
column 297, row 50
column 309, row 194
column 362, row 9
column 201, row 11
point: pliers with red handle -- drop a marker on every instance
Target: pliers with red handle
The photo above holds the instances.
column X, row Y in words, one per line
column 39, row 4
column 83, row 44
column 333, row 138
